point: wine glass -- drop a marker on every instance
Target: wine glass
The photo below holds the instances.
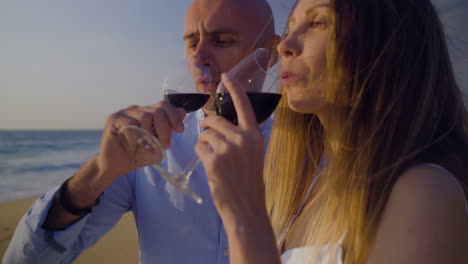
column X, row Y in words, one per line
column 188, row 85
column 180, row 91
column 258, row 75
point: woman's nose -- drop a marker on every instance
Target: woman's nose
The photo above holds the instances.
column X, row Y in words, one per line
column 288, row 47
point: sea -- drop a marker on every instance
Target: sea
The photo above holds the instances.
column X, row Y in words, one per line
column 32, row 162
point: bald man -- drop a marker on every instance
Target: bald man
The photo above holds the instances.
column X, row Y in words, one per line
column 171, row 227
column 221, row 35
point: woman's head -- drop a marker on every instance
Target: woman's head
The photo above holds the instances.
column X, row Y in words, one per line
column 362, row 54
column 380, row 79
column 303, row 52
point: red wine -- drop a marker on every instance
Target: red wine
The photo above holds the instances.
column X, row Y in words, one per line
column 263, row 105
column 189, row 101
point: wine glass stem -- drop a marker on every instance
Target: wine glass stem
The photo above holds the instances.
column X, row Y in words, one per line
column 191, row 166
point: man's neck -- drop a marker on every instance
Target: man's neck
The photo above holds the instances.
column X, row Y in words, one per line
column 208, row 112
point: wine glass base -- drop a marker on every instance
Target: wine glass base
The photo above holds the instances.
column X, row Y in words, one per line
column 179, row 183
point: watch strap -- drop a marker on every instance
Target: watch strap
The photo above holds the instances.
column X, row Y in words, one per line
column 64, row 200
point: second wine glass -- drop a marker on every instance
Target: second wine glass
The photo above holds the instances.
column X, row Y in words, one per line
column 258, row 76
column 180, row 91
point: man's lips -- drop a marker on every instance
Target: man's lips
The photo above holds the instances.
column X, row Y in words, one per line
column 288, row 77
column 206, row 86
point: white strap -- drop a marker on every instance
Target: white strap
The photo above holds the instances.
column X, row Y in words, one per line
column 342, row 238
column 298, row 211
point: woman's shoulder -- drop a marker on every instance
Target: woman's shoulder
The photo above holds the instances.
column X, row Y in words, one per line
column 430, row 182
column 425, row 219
column 427, row 189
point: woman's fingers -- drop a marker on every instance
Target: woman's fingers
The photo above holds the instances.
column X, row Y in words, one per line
column 244, row 110
column 221, row 125
column 203, row 151
column 215, row 140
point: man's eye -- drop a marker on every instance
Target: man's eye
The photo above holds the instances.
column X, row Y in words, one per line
column 224, row 43
column 191, row 45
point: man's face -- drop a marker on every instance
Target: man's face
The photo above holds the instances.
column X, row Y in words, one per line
column 217, row 35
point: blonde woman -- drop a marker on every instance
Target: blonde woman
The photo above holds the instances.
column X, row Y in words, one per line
column 368, row 158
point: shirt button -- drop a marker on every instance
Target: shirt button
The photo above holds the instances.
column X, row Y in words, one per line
column 226, row 252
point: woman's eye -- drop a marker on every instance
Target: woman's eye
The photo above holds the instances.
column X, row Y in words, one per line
column 317, row 24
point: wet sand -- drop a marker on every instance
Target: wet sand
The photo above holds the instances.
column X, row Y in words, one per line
column 120, row 245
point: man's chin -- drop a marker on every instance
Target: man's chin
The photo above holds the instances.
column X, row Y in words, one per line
column 209, row 108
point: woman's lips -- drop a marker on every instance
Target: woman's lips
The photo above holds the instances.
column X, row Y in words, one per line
column 288, row 77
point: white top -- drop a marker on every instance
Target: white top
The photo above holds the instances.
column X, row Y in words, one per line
column 329, row 254
column 324, row 254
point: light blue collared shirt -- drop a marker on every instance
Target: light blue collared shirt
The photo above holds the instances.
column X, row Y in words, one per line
column 171, row 227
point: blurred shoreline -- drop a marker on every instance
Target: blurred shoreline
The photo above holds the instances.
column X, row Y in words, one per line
column 33, row 161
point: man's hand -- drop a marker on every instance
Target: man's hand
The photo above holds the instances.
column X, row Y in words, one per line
column 160, row 120
column 113, row 160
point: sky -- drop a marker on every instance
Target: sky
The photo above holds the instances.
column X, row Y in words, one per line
column 68, row 64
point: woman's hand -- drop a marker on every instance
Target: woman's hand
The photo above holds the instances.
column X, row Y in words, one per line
column 233, row 159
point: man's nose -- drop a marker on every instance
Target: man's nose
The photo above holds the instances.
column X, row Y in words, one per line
column 198, row 60
column 202, row 54
column 200, row 68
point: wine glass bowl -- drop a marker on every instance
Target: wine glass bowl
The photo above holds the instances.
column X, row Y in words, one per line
column 258, row 75
column 180, row 85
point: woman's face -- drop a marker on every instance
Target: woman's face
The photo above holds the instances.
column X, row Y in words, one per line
column 303, row 53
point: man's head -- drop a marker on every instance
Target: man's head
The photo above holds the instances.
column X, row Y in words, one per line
column 219, row 33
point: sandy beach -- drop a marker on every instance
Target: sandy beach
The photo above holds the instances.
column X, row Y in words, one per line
column 118, row 246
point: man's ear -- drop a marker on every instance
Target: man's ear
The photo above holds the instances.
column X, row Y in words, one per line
column 273, row 42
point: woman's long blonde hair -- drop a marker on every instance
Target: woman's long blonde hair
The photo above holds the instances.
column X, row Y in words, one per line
column 395, row 104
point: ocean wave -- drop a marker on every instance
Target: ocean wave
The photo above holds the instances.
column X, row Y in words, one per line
column 31, row 184
column 49, row 167
column 23, row 177
column 46, row 158
column 31, row 162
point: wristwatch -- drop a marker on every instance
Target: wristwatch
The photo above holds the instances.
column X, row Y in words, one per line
column 64, row 200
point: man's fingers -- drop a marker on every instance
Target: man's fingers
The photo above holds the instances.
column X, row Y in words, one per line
column 159, row 119
column 162, row 128
column 174, row 115
column 154, row 122
column 119, row 120
column 144, row 119
column 245, row 114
